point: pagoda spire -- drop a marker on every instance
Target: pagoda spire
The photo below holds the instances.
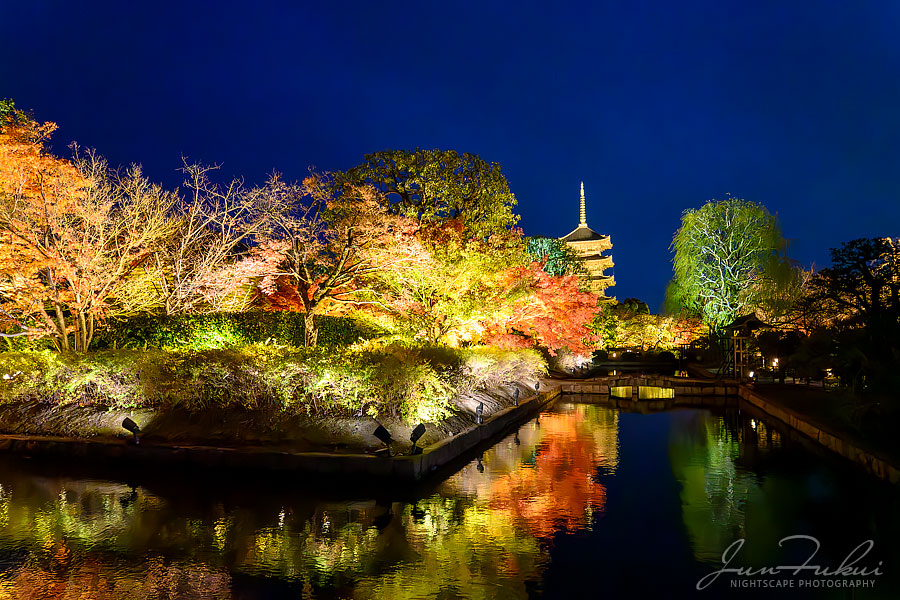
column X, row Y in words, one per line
column 583, row 222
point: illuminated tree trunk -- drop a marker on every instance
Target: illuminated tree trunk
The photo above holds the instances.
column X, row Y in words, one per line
column 310, row 333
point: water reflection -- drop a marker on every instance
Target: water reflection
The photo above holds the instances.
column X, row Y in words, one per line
column 480, row 534
column 496, row 529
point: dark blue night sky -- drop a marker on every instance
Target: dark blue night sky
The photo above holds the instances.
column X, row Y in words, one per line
column 656, row 106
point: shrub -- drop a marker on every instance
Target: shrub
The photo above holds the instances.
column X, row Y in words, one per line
column 416, row 383
column 111, row 379
column 223, row 330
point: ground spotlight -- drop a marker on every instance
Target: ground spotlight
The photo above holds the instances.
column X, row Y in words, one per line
column 133, row 428
column 479, row 413
column 537, row 386
column 418, row 432
column 516, row 397
column 385, row 436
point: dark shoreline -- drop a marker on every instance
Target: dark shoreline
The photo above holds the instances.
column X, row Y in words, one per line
column 329, row 468
column 700, row 392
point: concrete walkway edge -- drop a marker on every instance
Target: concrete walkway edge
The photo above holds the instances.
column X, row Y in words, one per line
column 870, row 461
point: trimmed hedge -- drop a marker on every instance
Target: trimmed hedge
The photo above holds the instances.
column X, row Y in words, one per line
column 222, row 330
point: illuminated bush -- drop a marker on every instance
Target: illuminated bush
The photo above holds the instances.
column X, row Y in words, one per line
column 224, row 330
column 414, row 383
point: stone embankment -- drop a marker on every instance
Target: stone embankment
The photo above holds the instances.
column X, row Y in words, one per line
column 872, row 461
column 344, row 466
column 682, row 391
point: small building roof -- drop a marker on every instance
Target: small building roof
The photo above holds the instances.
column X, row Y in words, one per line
column 748, row 323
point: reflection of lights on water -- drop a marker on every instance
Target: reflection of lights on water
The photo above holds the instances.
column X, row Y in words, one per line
column 281, row 518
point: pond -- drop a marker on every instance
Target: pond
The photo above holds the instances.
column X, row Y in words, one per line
column 583, row 502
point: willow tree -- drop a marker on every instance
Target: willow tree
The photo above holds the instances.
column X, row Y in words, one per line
column 730, row 260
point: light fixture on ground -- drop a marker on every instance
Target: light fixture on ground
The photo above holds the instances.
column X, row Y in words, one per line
column 132, row 427
column 385, row 436
column 537, row 386
column 418, row 432
column 516, row 397
column 479, row 413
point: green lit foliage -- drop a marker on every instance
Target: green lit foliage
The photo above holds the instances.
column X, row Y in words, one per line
column 410, row 382
column 8, row 111
column 224, row 330
column 730, row 260
column 435, row 186
column 557, row 257
column 629, row 324
column 446, row 289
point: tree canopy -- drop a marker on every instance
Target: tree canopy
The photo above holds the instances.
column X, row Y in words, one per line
column 557, row 257
column 439, row 185
column 729, row 260
column 71, row 233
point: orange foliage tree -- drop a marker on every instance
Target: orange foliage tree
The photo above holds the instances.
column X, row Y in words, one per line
column 550, row 311
column 70, row 234
column 463, row 290
column 327, row 245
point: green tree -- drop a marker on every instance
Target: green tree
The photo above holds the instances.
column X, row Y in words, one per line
column 558, row 257
column 730, row 260
column 7, row 110
column 440, row 185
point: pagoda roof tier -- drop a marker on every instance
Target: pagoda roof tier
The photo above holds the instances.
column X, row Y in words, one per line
column 583, row 233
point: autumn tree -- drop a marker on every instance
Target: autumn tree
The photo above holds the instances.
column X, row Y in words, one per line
column 216, row 251
column 729, row 260
column 856, row 303
column 546, row 310
column 328, row 244
column 629, row 324
column 70, row 234
column 435, row 186
column 862, row 285
column 448, row 292
column 467, row 291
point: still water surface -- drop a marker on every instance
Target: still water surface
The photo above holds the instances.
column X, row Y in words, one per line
column 584, row 502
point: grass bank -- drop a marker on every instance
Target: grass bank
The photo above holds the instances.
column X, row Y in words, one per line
column 318, row 399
